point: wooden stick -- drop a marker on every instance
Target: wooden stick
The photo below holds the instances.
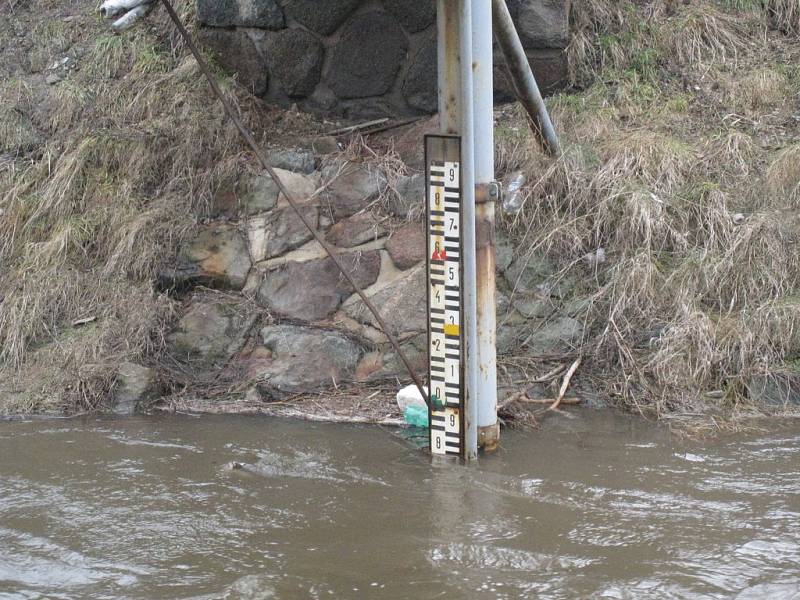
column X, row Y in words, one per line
column 564, row 401
column 565, row 383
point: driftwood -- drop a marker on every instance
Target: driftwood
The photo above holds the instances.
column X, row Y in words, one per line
column 565, row 384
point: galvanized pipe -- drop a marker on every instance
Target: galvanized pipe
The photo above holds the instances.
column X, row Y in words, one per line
column 456, row 118
column 523, row 78
column 485, row 196
column 469, row 282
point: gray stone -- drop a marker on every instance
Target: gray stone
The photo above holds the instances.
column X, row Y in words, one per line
column 420, row 86
column 408, row 245
column 538, row 275
column 775, row 390
column 560, row 335
column 314, row 289
column 409, row 197
column 352, row 188
column 322, row 16
column 414, row 15
column 541, row 23
column 295, row 57
column 367, row 57
column 218, row 257
column 237, row 52
column 533, row 306
column 265, row 14
column 135, row 385
column 401, row 304
column 297, row 161
column 260, row 194
column 302, row 359
column 355, row 230
column 385, row 363
column 208, row 334
column 287, row 231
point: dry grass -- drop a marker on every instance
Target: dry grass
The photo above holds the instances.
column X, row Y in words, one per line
column 666, row 171
column 135, row 147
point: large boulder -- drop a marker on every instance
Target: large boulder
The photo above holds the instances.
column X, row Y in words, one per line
column 414, row 15
column 408, row 245
column 296, row 161
column 409, row 196
column 354, row 231
column 314, row 289
column 218, row 257
column 420, row 87
column 265, row 14
column 351, row 188
column 541, row 23
column 386, row 364
column 402, row 304
column 283, row 230
column 260, row 193
column 300, row 359
column 237, row 52
column 209, row 333
column 295, row 58
column 321, row 16
column 367, row 57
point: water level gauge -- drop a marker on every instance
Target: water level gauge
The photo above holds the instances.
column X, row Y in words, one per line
column 445, row 326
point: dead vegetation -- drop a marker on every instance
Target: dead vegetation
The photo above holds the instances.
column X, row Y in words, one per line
column 681, row 164
column 103, row 175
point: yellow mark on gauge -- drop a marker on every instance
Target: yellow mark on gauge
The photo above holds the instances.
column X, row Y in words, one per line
column 451, row 330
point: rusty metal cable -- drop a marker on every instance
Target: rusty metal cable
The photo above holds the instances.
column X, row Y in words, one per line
column 248, row 137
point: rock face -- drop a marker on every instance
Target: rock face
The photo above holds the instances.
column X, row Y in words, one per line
column 409, row 196
column 313, row 290
column 367, row 57
column 135, row 384
column 241, row 13
column 207, row 334
column 295, row 57
column 304, row 359
column 320, row 16
column 236, row 52
column 408, row 245
column 402, row 304
column 352, row 188
column 414, row 15
column 541, row 24
column 218, row 257
column 354, row 231
column 362, row 58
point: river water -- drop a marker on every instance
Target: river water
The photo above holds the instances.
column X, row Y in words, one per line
column 601, row 506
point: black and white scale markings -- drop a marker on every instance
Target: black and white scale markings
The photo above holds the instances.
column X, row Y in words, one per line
column 444, row 276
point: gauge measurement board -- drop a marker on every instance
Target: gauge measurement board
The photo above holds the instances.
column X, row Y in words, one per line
column 445, row 340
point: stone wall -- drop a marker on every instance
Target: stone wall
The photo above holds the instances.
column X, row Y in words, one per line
column 361, row 58
column 283, row 319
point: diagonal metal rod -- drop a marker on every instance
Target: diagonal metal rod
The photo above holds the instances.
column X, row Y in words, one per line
column 248, row 137
column 523, row 78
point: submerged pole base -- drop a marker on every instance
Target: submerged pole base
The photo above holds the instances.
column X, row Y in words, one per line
column 489, row 437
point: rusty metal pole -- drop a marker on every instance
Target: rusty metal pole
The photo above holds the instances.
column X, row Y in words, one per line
column 456, row 115
column 523, row 79
column 486, row 194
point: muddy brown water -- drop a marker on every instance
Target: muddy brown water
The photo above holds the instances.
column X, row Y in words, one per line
column 602, row 506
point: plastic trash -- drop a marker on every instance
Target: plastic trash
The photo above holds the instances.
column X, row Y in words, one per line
column 513, row 198
column 410, row 396
column 416, row 416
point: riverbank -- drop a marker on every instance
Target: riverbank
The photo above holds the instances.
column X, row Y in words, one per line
column 148, row 265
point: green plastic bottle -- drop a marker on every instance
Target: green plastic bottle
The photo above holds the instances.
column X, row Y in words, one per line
column 417, row 416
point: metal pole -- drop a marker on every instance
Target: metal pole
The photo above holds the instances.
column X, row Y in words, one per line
column 456, row 115
column 523, row 78
column 486, row 193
